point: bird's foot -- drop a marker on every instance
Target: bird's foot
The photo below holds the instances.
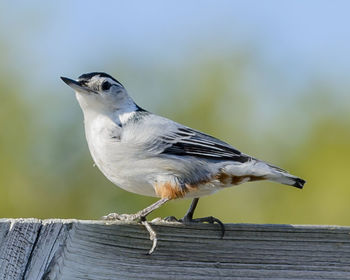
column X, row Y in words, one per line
column 138, row 218
column 152, row 235
column 189, row 220
column 141, row 218
column 121, row 217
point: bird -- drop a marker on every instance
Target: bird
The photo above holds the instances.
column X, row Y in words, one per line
column 151, row 155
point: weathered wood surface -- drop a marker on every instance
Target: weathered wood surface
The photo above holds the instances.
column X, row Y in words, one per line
column 73, row 249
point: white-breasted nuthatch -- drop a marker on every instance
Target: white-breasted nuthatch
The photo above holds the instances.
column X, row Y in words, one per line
column 154, row 156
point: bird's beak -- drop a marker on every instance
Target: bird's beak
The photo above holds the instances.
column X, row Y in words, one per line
column 77, row 86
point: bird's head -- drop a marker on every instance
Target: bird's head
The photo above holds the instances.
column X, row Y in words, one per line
column 100, row 92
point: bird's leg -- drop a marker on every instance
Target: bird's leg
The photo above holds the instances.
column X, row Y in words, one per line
column 189, row 214
column 188, row 218
column 139, row 215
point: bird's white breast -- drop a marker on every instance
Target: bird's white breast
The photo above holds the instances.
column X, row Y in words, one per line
column 115, row 158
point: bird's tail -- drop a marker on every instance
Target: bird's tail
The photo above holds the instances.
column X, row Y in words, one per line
column 281, row 176
column 255, row 169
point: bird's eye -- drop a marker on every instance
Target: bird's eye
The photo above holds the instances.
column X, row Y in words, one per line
column 106, row 85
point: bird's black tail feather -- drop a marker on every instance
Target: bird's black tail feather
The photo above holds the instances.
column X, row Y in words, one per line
column 299, row 183
column 283, row 177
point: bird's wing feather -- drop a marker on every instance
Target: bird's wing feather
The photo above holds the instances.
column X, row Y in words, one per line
column 185, row 141
column 161, row 136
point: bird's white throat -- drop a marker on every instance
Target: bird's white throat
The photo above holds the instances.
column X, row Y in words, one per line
column 125, row 116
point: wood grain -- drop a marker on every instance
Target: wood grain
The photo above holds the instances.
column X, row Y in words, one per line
column 75, row 249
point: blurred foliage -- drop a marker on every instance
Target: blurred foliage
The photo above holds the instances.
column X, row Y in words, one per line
column 46, row 170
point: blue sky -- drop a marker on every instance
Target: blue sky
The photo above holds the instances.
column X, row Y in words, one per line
column 302, row 40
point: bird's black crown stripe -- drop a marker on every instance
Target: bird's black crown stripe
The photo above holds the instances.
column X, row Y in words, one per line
column 88, row 76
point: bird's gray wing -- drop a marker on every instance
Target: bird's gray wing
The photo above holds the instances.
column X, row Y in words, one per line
column 185, row 141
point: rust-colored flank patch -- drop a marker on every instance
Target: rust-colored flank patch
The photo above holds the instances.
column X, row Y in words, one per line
column 169, row 190
column 173, row 191
column 227, row 179
column 224, row 178
column 235, row 180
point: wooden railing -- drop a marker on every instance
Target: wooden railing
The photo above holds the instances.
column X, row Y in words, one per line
column 75, row 249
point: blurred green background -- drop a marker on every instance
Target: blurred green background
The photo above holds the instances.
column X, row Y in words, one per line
column 269, row 77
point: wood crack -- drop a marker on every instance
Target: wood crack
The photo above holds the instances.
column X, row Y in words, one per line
column 32, row 250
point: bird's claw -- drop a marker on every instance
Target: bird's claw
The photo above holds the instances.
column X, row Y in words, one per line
column 152, row 235
column 190, row 220
column 210, row 220
column 171, row 219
